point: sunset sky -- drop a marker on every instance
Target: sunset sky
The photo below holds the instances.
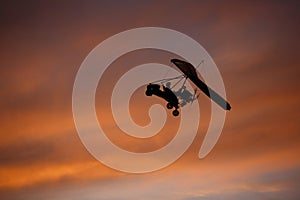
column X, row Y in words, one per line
column 255, row 45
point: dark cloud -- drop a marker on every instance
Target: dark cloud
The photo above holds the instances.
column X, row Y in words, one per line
column 62, row 148
column 25, row 153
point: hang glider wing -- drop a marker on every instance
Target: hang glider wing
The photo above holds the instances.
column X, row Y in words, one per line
column 190, row 72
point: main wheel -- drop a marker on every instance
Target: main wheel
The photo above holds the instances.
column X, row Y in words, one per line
column 169, row 106
column 148, row 93
column 175, row 113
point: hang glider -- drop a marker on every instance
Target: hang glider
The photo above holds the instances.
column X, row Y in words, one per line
column 182, row 96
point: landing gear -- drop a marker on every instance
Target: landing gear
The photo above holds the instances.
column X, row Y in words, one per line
column 169, row 106
column 175, row 113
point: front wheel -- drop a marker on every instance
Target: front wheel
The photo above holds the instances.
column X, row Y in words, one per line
column 169, row 106
column 175, row 113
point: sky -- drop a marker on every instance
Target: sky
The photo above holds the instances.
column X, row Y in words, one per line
column 255, row 45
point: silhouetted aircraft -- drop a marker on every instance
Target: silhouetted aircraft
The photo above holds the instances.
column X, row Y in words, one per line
column 183, row 94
